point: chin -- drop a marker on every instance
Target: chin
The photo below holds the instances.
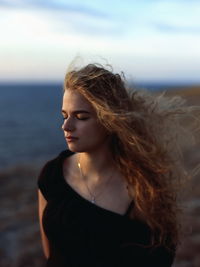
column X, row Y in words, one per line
column 78, row 148
column 74, row 148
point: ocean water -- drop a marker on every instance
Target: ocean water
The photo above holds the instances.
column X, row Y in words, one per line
column 30, row 122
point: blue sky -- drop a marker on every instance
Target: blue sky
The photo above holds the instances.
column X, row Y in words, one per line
column 150, row 40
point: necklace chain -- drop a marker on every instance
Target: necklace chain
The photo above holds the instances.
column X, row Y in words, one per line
column 93, row 197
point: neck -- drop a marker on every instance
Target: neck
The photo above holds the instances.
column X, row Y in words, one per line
column 96, row 165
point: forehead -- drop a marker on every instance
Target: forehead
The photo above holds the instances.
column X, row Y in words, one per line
column 73, row 100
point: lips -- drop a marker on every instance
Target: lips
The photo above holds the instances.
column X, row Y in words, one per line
column 70, row 138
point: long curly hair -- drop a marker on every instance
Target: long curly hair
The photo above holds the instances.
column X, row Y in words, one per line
column 145, row 128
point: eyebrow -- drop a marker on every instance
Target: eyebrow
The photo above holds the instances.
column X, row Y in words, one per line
column 76, row 112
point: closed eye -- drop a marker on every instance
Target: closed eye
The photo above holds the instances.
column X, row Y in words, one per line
column 78, row 114
column 82, row 118
column 78, row 118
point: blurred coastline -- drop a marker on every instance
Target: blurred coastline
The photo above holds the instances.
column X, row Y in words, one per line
column 30, row 134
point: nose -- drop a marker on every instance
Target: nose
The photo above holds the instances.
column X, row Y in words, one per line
column 68, row 125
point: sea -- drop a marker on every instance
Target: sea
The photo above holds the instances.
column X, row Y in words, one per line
column 31, row 120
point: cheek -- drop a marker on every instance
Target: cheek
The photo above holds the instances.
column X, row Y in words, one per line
column 93, row 129
column 98, row 132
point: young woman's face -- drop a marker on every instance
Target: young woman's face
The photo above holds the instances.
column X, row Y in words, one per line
column 82, row 130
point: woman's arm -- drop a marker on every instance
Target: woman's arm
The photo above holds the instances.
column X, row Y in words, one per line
column 41, row 206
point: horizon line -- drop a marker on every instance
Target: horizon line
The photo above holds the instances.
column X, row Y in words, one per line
column 57, row 82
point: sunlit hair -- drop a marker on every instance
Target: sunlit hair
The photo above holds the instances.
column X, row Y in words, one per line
column 144, row 129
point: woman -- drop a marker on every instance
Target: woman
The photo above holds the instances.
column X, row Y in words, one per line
column 110, row 198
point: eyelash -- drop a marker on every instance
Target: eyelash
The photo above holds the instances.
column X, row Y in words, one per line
column 80, row 119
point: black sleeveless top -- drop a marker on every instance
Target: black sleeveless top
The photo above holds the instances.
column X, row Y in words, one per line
column 82, row 234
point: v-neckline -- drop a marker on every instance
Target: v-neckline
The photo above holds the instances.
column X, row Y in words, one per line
column 68, row 153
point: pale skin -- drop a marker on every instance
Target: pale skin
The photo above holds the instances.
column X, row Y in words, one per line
column 92, row 151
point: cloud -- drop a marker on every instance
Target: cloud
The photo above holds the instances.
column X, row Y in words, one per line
column 54, row 5
column 84, row 25
column 132, row 34
column 174, row 17
column 77, row 19
column 164, row 27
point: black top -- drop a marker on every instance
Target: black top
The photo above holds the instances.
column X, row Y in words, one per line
column 82, row 234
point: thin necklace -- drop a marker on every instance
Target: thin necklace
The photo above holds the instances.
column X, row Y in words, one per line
column 93, row 197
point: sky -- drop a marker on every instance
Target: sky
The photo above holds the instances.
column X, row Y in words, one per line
column 149, row 40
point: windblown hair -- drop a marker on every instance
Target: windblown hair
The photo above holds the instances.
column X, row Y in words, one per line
column 144, row 129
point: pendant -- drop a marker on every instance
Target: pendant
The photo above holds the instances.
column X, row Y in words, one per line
column 93, row 200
